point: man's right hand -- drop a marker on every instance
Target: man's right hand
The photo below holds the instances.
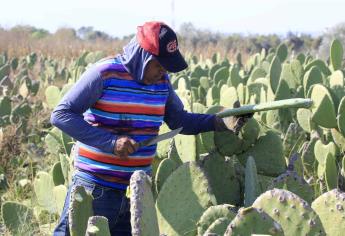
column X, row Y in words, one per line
column 124, row 146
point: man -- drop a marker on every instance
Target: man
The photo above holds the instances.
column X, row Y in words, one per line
column 117, row 103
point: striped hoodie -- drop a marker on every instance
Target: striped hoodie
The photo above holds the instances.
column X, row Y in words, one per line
column 110, row 100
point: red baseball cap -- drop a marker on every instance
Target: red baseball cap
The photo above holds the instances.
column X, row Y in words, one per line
column 161, row 41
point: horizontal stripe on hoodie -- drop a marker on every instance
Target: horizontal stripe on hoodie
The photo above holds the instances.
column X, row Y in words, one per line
column 128, row 108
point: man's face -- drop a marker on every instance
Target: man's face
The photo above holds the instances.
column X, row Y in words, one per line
column 153, row 72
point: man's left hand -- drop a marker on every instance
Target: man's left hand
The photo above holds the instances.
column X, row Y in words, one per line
column 233, row 123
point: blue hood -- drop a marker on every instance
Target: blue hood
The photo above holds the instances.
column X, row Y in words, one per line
column 135, row 59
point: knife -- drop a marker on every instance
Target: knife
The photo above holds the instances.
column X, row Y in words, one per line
column 154, row 140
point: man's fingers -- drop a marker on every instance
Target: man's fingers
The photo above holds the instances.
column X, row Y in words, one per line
column 131, row 146
column 237, row 104
column 123, row 154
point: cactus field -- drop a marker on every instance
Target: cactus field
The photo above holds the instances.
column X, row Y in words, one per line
column 283, row 174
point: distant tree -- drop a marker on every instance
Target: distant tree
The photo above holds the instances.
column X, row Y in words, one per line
column 66, row 34
column 88, row 33
column 39, row 33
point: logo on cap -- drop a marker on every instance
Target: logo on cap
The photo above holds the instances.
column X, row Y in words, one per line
column 172, row 46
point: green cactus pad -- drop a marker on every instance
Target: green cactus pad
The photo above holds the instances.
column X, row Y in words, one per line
column 283, row 91
column 291, row 136
column 165, row 168
column 331, row 172
column 293, row 213
column 204, row 82
column 221, row 74
column 249, row 221
column 56, row 172
column 227, row 143
column 43, row 187
column 336, row 83
column 297, row 70
column 308, row 158
column 313, row 76
column 291, row 181
column 320, row 64
column 249, row 133
column 207, row 138
column 186, row 146
column 59, row 196
column 65, row 167
column 338, row 138
column 143, row 212
column 341, row 117
column 97, row 226
column 336, row 54
column 53, row 140
column 330, row 208
column 67, row 142
column 304, row 119
column 257, row 73
column 251, row 186
column 282, row 52
column 17, row 217
column 218, row 227
column 5, row 106
column 163, row 146
column 323, row 109
column 223, row 179
column 212, row 214
column 235, row 78
column 321, row 151
column 228, row 97
column 80, row 209
column 265, row 182
column 286, row 103
column 178, row 206
column 274, row 73
column 53, row 96
column 268, row 154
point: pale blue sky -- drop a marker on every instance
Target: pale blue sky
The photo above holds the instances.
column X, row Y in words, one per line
column 120, row 18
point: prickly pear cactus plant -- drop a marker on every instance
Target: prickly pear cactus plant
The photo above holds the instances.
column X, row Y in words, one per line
column 178, row 206
column 163, row 146
column 16, row 217
column 222, row 176
column 341, row 117
column 165, row 168
column 53, row 96
column 250, row 221
column 143, row 211
column 56, row 173
column 330, row 208
column 291, row 181
column 80, row 210
column 97, row 226
column 43, row 187
column 218, row 227
column 251, row 186
column 293, row 213
column 323, row 110
column 331, row 172
column 212, row 214
column 336, row 54
column 268, row 154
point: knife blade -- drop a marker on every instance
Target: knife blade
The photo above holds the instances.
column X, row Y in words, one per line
column 158, row 138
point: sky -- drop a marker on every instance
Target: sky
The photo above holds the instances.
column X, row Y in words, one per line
column 120, row 18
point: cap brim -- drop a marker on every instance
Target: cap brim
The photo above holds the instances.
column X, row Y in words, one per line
column 174, row 63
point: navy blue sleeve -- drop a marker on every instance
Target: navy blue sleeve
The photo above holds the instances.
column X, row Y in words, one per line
column 68, row 114
column 192, row 123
